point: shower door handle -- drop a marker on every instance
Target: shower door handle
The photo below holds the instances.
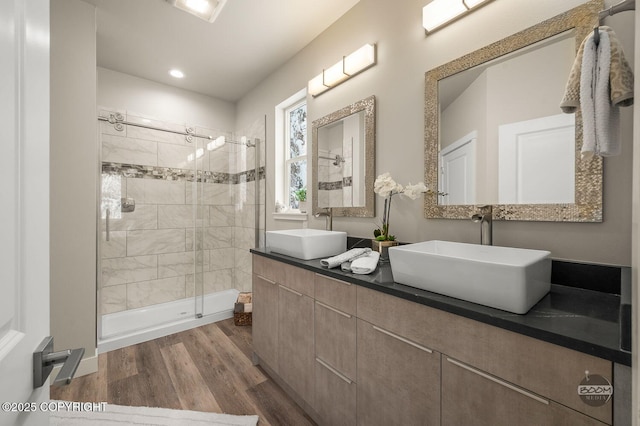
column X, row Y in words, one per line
column 107, row 225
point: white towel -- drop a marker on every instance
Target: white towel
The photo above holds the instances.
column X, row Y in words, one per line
column 366, row 264
column 347, row 256
column 601, row 120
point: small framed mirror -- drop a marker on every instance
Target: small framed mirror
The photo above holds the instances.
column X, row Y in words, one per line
column 343, row 160
column 495, row 134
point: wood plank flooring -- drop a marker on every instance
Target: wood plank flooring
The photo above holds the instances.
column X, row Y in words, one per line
column 204, row 369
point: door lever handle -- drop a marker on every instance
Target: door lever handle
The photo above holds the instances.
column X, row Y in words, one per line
column 44, row 359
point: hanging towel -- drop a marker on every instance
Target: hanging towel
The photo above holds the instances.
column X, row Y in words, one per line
column 600, row 119
column 620, row 75
column 347, row 256
column 366, row 264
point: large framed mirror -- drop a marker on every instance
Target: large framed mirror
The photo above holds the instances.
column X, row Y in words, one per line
column 343, row 161
column 495, row 134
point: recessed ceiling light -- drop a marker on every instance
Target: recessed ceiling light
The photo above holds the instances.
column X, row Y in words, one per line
column 203, row 9
column 176, row 73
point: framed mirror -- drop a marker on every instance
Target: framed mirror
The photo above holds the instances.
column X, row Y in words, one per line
column 495, row 134
column 343, row 160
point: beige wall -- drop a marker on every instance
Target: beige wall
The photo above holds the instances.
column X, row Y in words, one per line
column 397, row 81
column 172, row 104
column 73, row 177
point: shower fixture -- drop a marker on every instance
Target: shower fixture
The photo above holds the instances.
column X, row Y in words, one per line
column 337, row 160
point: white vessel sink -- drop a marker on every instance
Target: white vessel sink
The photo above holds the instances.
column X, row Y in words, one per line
column 505, row 278
column 307, row 244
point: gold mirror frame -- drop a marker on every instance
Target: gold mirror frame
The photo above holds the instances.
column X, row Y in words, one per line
column 588, row 174
column 368, row 105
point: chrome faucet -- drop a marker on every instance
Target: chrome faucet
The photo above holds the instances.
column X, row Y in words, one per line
column 486, row 224
column 328, row 214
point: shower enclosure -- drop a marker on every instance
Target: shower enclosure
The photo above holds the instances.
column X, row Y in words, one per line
column 180, row 208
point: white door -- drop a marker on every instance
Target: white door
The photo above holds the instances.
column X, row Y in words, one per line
column 457, row 163
column 537, row 161
column 24, row 186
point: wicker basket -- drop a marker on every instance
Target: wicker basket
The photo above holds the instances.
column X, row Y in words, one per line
column 240, row 317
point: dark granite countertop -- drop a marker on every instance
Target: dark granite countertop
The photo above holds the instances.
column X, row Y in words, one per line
column 584, row 320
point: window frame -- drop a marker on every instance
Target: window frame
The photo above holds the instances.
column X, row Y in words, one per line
column 281, row 175
column 288, row 160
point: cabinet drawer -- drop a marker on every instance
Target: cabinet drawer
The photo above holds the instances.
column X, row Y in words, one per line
column 336, row 338
column 490, row 401
column 267, row 268
column 335, row 396
column 398, row 381
column 546, row 369
column 337, row 293
column 295, row 278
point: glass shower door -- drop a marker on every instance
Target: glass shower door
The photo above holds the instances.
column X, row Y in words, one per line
column 148, row 261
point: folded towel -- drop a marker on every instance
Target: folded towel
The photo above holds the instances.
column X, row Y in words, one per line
column 347, row 256
column 366, row 264
column 346, row 266
column 620, row 75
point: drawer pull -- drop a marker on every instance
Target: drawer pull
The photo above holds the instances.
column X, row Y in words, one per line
column 289, row 290
column 402, row 339
column 334, row 279
column 267, row 280
column 498, row 381
column 334, row 371
column 333, row 309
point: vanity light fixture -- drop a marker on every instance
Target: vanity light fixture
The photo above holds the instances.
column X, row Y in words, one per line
column 207, row 10
column 343, row 70
column 439, row 13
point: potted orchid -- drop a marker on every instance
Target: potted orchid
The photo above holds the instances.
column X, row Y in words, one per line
column 386, row 187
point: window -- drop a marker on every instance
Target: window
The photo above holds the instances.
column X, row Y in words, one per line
column 296, row 151
column 291, row 149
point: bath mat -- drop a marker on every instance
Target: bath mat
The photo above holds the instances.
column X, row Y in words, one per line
column 119, row 415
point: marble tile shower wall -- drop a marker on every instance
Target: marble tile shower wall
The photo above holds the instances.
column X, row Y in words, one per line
column 171, row 246
column 335, row 186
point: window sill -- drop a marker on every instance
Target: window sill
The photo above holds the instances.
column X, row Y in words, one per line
column 293, row 215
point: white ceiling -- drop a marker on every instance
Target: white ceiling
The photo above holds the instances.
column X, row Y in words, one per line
column 225, row 59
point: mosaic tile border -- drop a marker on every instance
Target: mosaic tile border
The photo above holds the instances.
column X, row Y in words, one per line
column 137, row 171
column 339, row 184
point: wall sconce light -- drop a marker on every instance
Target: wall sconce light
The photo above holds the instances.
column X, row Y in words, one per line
column 439, row 13
column 343, row 70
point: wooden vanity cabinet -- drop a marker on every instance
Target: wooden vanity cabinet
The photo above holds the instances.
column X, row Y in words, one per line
column 354, row 355
column 283, row 329
column 541, row 368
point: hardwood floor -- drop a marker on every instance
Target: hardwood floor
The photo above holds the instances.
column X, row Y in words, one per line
column 204, row 369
